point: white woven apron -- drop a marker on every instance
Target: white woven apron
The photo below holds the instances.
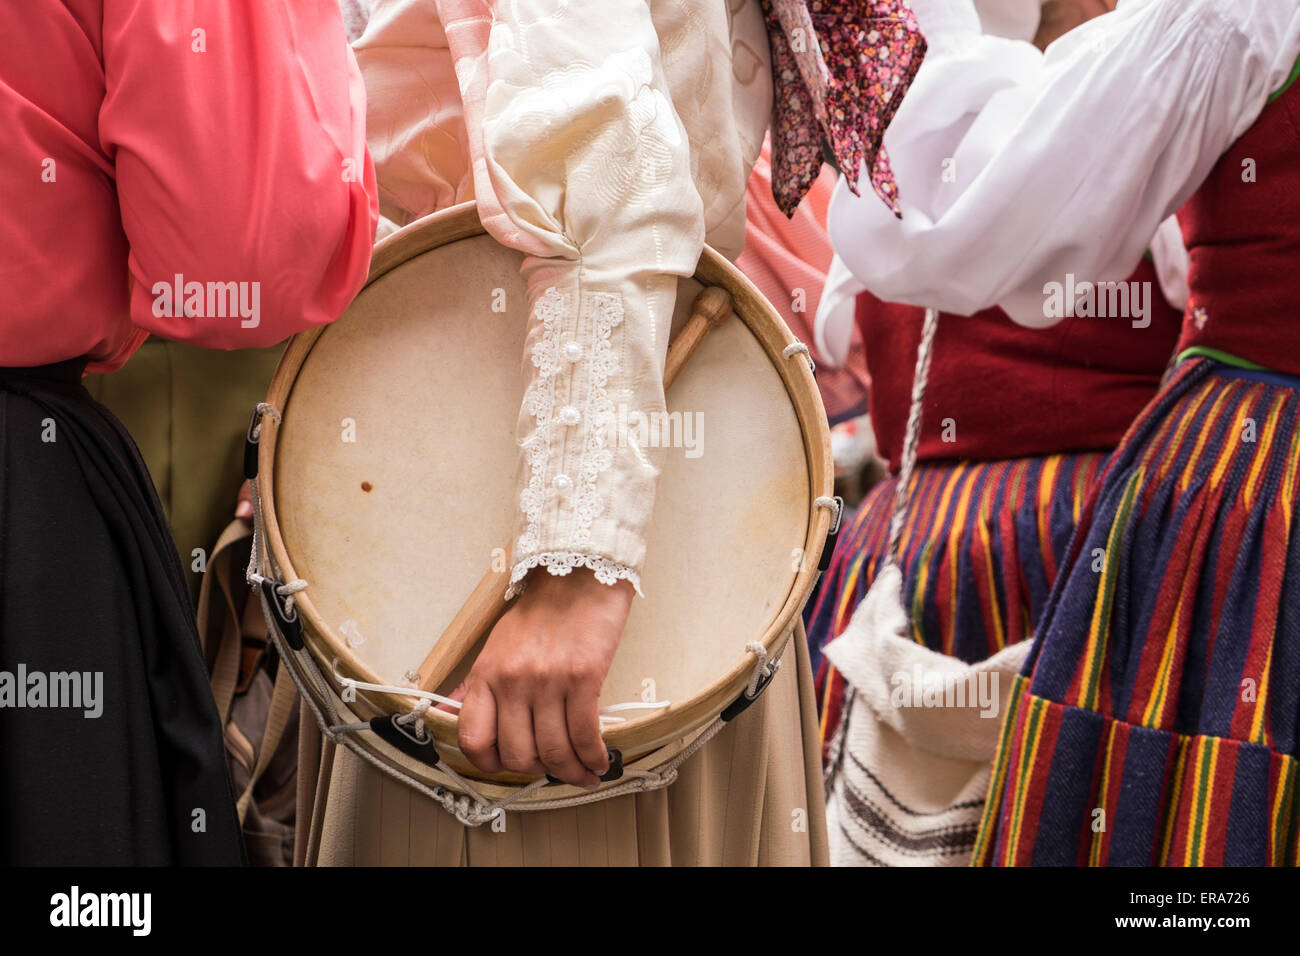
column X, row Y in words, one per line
column 910, row 763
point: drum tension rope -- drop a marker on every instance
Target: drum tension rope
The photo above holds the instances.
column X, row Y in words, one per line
column 799, row 348
column 278, row 594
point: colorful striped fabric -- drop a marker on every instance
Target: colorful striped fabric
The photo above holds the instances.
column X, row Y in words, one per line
column 979, row 552
column 1158, row 723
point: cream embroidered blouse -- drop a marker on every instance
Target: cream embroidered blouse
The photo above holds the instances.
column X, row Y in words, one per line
column 607, row 140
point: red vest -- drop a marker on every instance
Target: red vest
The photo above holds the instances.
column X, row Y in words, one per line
column 999, row 390
column 1242, row 229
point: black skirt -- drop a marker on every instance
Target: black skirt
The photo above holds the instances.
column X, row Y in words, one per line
column 110, row 745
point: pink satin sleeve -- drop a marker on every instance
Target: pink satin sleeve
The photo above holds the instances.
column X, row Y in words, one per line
column 237, row 132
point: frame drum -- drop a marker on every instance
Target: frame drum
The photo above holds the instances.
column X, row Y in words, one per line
column 388, row 486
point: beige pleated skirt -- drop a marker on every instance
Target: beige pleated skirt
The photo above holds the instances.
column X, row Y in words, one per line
column 752, row 796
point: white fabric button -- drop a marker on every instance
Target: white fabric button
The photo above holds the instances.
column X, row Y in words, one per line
column 562, row 482
column 569, row 415
column 572, row 351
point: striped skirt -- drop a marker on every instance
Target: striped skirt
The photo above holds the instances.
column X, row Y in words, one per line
column 979, row 553
column 1156, row 720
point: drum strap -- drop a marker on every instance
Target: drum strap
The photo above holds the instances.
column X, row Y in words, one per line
column 277, row 718
column 913, row 437
column 226, row 668
column 907, row 467
column 225, row 657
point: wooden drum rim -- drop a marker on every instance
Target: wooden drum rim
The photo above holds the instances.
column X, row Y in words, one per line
column 642, row 734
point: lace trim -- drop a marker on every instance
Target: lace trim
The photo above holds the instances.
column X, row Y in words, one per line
column 540, row 403
column 596, row 457
column 605, row 310
column 561, row 563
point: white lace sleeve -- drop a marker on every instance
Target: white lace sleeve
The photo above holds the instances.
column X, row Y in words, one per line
column 581, row 162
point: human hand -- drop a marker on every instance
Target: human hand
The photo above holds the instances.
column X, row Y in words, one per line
column 244, row 503
column 530, row 702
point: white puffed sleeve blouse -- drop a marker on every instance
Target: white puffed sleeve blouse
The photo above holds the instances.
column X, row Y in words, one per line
column 1016, row 168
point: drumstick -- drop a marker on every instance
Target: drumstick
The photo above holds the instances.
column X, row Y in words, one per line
column 711, row 308
column 487, row 602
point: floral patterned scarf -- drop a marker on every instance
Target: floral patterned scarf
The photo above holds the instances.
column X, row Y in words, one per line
column 840, row 69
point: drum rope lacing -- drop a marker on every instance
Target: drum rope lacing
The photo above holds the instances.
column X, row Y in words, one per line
column 289, row 588
column 822, row 501
column 474, row 809
column 608, row 714
column 836, row 503
column 471, row 808
column 796, row 348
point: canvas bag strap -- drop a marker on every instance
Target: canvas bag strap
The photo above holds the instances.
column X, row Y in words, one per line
column 283, row 696
column 913, row 435
column 225, row 673
column 907, row 466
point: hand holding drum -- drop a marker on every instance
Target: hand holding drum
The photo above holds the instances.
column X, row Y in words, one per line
column 415, row 504
column 529, row 704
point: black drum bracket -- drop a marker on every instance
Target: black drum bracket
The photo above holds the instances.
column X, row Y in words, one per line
column 288, row 619
column 387, row 728
column 828, row 547
column 615, row 771
column 250, row 444
column 741, row 703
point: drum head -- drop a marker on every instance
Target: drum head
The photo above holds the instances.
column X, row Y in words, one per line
column 395, row 480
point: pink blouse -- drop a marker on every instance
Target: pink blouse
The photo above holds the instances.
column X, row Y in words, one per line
column 787, row 259
column 196, row 170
